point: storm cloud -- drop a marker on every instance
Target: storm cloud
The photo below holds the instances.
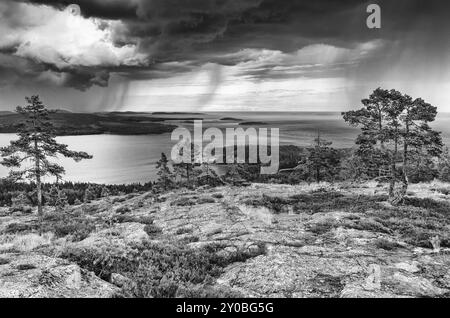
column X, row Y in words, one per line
column 42, row 41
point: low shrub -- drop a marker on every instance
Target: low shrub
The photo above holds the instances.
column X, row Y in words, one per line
column 152, row 230
column 386, row 244
column 124, row 218
column 418, row 237
column 332, row 201
column 190, row 239
column 417, row 221
column 123, row 210
column 25, row 267
column 204, row 200
column 77, row 228
column 275, row 204
column 53, row 216
column 160, row 199
column 146, row 220
column 183, row 201
column 121, row 218
column 22, row 209
column 61, row 224
column 103, row 262
column 439, row 207
column 119, row 200
column 162, row 270
column 13, row 228
column 321, row 228
column 368, row 225
column 320, row 201
column 184, row 230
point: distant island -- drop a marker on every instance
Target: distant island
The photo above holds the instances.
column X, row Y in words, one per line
column 230, row 119
column 60, row 111
column 176, row 113
column 70, row 124
column 249, row 123
column 120, row 123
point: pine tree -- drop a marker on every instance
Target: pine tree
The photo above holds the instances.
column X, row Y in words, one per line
column 444, row 166
column 62, row 200
column 321, row 161
column 19, row 202
column 35, row 145
column 186, row 169
column 89, row 194
column 105, row 192
column 239, row 173
column 233, row 173
column 371, row 142
column 354, row 167
column 417, row 137
column 52, row 196
column 165, row 176
column 397, row 126
column 422, row 167
column 208, row 176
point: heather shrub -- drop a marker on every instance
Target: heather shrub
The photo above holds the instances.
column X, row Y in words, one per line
column 386, row 244
column 123, row 210
column 162, row 270
column 204, row 200
column 183, row 201
column 13, row 228
column 152, row 230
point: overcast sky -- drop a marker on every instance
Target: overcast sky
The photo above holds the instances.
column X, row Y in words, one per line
column 222, row 55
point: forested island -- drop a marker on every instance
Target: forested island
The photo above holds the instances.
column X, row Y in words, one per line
column 69, row 124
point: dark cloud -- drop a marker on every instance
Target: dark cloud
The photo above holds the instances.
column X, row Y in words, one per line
column 174, row 33
column 109, row 9
column 17, row 71
column 82, row 79
column 170, row 24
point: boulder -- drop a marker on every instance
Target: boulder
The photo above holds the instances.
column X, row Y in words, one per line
column 39, row 276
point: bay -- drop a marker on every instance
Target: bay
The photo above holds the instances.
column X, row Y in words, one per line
column 129, row 159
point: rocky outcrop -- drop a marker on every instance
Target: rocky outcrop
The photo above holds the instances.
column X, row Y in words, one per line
column 313, row 253
column 117, row 235
column 39, row 276
column 339, row 261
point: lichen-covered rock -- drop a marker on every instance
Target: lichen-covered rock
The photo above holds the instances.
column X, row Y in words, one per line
column 323, row 254
column 329, row 252
column 39, row 276
column 119, row 234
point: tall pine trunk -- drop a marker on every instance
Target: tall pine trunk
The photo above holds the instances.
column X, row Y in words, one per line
column 392, row 181
column 393, row 168
column 405, row 179
column 39, row 196
column 380, row 129
column 38, row 181
column 317, row 174
column 188, row 177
